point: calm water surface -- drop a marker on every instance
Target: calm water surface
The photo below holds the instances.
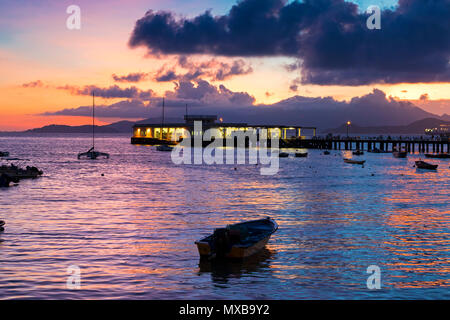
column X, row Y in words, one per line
column 132, row 231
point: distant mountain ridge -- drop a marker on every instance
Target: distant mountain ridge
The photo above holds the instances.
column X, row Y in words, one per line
column 116, row 127
column 121, row 127
column 417, row 127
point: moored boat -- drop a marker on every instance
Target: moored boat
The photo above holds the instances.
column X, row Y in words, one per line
column 354, row 161
column 237, row 241
column 283, row 155
column 358, row 153
column 2, row 224
column 425, row 165
column 164, row 148
column 92, row 155
column 399, row 153
column 376, row 150
column 326, row 152
column 301, row 154
column 4, row 154
column 438, row 155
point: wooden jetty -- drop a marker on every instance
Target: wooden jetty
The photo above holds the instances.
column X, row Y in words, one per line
column 409, row 144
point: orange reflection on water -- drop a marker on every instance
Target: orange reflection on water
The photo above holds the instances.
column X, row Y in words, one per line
column 420, row 235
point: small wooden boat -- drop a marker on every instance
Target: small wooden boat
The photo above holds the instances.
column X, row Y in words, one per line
column 4, row 154
column 425, row 165
column 438, row 155
column 301, row 154
column 358, row 153
column 326, row 152
column 164, row 148
column 354, row 161
column 283, row 155
column 237, row 241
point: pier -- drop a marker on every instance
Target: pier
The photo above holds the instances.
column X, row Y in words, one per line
column 412, row 145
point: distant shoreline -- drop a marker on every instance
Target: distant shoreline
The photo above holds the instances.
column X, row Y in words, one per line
column 126, row 127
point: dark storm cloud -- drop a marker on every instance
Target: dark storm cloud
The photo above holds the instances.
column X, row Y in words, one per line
column 329, row 37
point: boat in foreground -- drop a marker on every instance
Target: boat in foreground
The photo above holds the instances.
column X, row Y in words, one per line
column 438, row 155
column 425, row 165
column 237, row 241
column 354, row 161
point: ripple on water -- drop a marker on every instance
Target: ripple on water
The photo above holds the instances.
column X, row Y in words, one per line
column 132, row 230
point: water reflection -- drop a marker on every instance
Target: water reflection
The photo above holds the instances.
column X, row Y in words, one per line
column 222, row 270
column 132, row 230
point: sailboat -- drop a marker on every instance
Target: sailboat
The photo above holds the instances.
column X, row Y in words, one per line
column 92, row 154
column 163, row 147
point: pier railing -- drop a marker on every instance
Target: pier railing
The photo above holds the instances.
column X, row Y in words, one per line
column 410, row 144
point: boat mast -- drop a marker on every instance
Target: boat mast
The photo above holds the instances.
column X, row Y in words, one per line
column 93, row 120
column 162, row 123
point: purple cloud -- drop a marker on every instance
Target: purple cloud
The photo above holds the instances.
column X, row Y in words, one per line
column 132, row 77
column 329, row 37
column 110, row 92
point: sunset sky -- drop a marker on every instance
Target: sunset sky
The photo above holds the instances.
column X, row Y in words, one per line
column 179, row 52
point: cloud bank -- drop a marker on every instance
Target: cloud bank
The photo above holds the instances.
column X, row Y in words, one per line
column 110, row 92
column 212, row 69
column 204, row 98
column 328, row 37
column 132, row 77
